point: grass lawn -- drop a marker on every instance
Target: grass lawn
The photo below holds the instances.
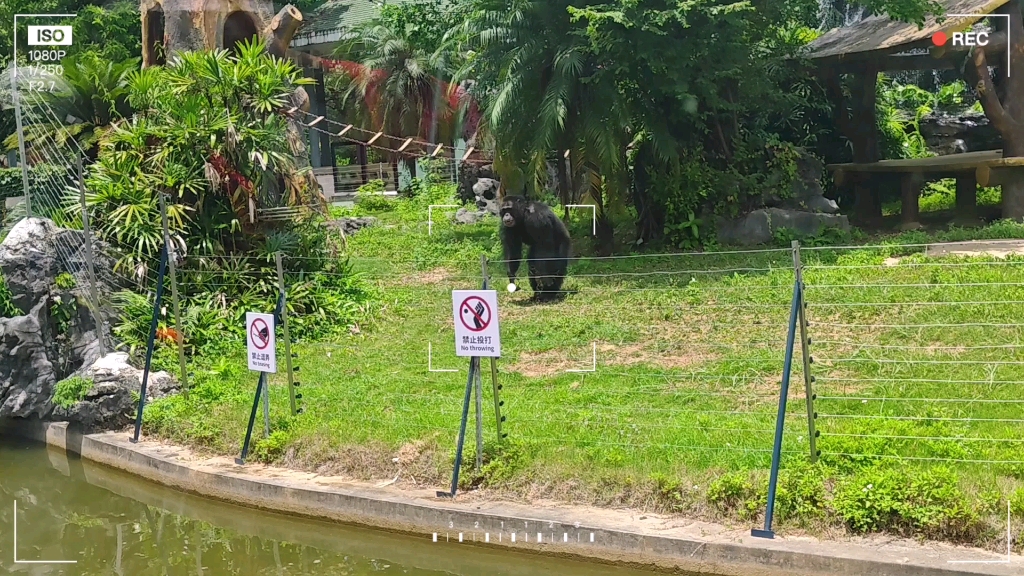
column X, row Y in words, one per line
column 917, row 366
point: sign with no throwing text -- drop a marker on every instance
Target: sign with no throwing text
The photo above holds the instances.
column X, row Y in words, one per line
column 476, row 323
column 259, row 339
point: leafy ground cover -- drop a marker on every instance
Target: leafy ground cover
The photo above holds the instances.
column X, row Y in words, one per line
column 916, row 366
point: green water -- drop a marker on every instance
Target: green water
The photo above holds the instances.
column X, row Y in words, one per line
column 110, row 523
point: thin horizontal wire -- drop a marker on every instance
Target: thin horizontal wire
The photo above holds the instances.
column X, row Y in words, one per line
column 900, row 246
column 666, row 255
column 919, row 380
column 931, row 303
column 655, row 426
column 563, row 440
column 909, row 347
column 894, row 399
column 930, row 438
column 919, row 418
column 662, row 273
column 964, row 325
column 922, row 458
column 810, row 285
column 893, row 361
column 912, row 265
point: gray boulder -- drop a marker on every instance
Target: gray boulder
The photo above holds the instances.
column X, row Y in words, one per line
column 349, row 226
column 485, row 193
column 110, row 403
column 806, row 193
column 760, row 226
column 27, row 372
column 41, row 348
column 957, row 133
column 466, row 216
column 28, row 260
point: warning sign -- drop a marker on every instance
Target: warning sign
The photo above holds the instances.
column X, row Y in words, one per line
column 476, row 323
column 259, row 331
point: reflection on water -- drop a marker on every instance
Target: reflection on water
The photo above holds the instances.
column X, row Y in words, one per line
column 114, row 524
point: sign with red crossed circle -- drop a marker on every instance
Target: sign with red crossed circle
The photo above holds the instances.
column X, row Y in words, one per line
column 260, row 342
column 476, row 323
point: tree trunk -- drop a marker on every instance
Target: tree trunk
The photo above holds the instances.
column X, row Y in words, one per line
column 650, row 222
column 1003, row 101
column 282, row 29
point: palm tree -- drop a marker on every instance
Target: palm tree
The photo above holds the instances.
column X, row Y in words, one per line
column 389, row 83
column 544, row 90
column 91, row 94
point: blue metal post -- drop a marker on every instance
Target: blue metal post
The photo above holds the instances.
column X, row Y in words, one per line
column 260, row 385
column 474, row 363
column 252, row 419
column 780, row 420
column 151, row 342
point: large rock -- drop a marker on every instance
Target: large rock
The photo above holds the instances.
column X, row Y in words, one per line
column 110, row 403
column 27, row 371
column 957, row 133
column 806, row 193
column 28, row 260
column 485, row 194
column 42, row 347
column 349, row 226
column 760, row 226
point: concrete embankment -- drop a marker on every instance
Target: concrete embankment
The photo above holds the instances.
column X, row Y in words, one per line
column 619, row 536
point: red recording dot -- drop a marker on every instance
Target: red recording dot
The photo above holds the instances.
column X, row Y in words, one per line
column 939, row 38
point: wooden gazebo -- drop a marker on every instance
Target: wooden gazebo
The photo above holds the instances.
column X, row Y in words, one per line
column 879, row 44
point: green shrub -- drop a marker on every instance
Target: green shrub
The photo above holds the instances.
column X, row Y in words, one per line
column 906, row 501
column 730, row 490
column 1017, row 502
column 7, row 307
column 268, row 449
column 370, row 197
column 71, row 391
column 64, row 281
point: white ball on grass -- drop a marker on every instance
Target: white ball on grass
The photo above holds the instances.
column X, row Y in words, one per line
column 511, row 287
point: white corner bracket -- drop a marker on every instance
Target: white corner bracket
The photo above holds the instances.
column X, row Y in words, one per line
column 430, row 215
column 16, row 561
column 593, row 363
column 593, row 209
column 430, row 361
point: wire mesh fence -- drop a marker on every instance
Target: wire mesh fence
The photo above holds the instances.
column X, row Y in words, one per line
column 652, row 360
column 919, row 359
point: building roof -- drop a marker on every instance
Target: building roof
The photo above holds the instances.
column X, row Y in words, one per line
column 330, row 20
column 879, row 35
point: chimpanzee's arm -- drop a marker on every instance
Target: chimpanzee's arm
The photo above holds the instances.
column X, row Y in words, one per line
column 513, row 246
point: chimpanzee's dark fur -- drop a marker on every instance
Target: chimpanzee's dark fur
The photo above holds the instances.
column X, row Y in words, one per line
column 534, row 224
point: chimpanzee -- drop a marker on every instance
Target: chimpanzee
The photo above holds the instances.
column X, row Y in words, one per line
column 534, row 224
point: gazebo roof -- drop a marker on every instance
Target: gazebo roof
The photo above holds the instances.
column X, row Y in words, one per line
column 880, row 35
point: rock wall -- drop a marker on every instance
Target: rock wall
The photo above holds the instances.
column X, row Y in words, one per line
column 38, row 349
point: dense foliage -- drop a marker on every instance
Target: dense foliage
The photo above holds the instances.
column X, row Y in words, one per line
column 669, row 112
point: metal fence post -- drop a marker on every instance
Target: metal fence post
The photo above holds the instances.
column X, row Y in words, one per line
column 90, row 266
column 151, row 341
column 805, row 347
column 495, row 387
column 478, row 387
column 284, row 325
column 780, row 419
column 179, row 336
column 15, row 89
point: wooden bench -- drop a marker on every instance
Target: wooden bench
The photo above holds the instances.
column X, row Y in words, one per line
column 970, row 169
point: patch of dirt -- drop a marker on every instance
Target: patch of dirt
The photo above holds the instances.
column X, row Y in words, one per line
column 429, row 277
column 413, row 463
column 552, row 362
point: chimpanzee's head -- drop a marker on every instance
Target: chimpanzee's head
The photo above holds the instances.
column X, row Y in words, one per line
column 513, row 211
